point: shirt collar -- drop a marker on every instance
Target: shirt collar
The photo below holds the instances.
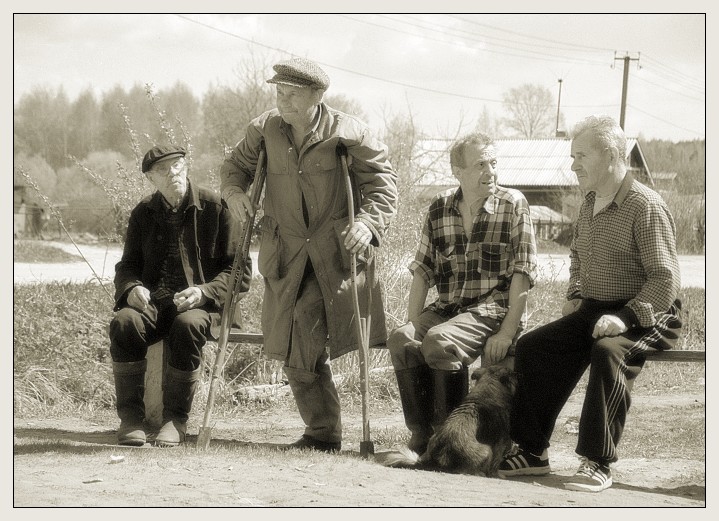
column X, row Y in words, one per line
column 488, row 206
column 621, row 194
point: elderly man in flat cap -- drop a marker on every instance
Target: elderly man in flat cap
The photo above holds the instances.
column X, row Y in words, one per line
column 307, row 315
column 169, row 284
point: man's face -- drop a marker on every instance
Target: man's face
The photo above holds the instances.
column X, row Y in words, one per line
column 297, row 104
column 479, row 177
column 590, row 162
column 170, row 177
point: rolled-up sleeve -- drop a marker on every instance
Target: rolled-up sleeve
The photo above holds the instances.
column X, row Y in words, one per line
column 524, row 243
column 423, row 263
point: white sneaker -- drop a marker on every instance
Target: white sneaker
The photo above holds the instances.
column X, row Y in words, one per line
column 590, row 477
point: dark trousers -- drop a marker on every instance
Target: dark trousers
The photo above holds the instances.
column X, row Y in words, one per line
column 132, row 332
column 550, row 361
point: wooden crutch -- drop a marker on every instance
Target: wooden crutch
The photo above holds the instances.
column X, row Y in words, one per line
column 362, row 328
column 228, row 311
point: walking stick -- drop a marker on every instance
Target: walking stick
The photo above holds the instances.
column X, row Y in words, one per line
column 362, row 328
column 228, row 311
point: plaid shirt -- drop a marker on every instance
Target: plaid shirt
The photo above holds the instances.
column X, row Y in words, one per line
column 627, row 252
column 474, row 275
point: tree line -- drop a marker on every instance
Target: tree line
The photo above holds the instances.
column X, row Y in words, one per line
column 78, row 151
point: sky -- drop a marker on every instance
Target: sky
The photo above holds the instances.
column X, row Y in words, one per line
column 443, row 69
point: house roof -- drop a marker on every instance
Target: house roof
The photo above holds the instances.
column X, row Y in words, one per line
column 542, row 214
column 521, row 162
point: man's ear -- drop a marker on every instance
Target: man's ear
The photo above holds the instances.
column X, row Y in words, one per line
column 614, row 154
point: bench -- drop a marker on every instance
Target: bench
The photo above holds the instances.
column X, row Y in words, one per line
column 156, row 359
column 156, row 362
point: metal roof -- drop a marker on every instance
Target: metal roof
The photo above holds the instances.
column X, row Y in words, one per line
column 520, row 162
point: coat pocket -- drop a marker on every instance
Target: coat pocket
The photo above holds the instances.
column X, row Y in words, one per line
column 269, row 260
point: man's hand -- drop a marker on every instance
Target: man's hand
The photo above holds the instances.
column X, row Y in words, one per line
column 357, row 238
column 571, row 306
column 496, row 347
column 240, row 206
column 138, row 298
column 609, row 325
column 189, row 298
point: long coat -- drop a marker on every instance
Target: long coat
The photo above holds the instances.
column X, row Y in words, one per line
column 315, row 172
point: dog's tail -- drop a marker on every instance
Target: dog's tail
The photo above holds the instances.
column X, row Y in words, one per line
column 404, row 459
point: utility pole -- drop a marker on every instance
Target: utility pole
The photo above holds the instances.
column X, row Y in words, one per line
column 625, row 82
column 559, row 101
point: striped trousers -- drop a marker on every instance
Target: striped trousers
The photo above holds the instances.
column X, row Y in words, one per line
column 551, row 360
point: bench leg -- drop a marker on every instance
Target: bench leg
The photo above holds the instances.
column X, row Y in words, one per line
column 156, row 357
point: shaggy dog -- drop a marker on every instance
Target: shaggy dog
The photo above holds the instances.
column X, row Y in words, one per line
column 475, row 437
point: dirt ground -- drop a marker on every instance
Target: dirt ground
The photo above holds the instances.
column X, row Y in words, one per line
column 70, row 462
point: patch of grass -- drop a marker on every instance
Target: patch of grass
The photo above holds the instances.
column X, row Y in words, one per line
column 37, row 251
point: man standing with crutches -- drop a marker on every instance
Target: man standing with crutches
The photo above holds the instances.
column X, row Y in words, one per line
column 307, row 242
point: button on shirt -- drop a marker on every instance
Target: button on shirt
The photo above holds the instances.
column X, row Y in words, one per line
column 474, row 274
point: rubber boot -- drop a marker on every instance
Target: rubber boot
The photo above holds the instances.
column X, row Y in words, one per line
column 177, row 395
column 319, row 407
column 450, row 388
column 130, row 392
column 415, row 392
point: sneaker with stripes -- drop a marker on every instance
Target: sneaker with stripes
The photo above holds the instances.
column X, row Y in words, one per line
column 590, row 477
column 523, row 463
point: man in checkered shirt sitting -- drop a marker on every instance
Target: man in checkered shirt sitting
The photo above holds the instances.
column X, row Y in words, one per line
column 478, row 249
column 621, row 302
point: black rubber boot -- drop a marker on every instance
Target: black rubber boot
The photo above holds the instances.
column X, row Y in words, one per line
column 319, row 406
column 415, row 392
column 130, row 392
column 450, row 388
column 177, row 395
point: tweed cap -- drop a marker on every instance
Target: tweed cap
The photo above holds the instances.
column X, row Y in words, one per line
column 160, row 152
column 300, row 72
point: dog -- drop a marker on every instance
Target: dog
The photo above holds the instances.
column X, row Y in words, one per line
column 475, row 437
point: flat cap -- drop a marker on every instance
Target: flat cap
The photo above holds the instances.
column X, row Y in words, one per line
column 160, row 152
column 300, row 72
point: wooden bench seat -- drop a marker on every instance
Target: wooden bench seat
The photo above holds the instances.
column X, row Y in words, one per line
column 155, row 367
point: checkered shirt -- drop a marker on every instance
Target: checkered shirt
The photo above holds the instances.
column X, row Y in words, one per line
column 474, row 275
column 626, row 252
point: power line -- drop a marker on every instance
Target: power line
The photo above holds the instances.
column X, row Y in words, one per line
column 680, row 77
column 702, row 100
column 377, row 78
column 533, row 37
column 541, row 56
column 700, row 134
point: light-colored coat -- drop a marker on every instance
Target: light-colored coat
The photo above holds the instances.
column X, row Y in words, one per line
column 316, row 172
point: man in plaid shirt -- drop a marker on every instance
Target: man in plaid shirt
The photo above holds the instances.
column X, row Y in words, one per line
column 478, row 249
column 621, row 302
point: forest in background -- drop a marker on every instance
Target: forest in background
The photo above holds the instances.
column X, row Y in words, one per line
column 78, row 152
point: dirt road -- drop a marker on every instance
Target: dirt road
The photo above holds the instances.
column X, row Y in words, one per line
column 69, row 463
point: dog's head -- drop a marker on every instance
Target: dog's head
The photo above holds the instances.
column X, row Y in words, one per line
column 506, row 376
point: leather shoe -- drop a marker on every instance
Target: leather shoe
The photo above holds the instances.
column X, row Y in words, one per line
column 308, row 443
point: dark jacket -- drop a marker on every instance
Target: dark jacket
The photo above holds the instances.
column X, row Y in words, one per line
column 208, row 265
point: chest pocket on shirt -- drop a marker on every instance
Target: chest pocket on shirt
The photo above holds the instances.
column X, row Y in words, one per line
column 494, row 258
column 325, row 164
column 446, row 264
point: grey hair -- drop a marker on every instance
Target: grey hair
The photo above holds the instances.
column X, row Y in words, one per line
column 606, row 132
column 456, row 153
